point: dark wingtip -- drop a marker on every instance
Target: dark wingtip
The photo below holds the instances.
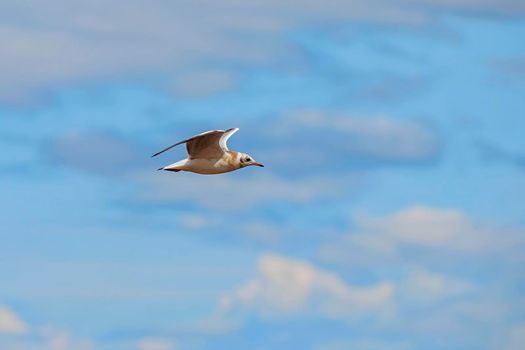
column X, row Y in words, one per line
column 160, row 169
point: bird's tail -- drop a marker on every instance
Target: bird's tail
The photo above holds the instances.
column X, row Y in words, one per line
column 175, row 167
column 168, row 169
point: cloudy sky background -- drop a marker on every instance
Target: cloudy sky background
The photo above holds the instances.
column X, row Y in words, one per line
column 389, row 215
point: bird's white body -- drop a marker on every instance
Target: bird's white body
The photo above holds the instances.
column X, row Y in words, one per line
column 209, row 154
column 230, row 161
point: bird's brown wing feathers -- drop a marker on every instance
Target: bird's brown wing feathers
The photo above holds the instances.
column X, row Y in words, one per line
column 210, row 144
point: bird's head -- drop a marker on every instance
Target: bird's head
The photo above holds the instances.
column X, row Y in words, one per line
column 247, row 160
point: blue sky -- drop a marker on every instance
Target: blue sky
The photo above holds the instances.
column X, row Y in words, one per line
column 389, row 214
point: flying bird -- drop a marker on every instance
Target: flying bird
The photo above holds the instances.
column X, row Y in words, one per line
column 209, row 154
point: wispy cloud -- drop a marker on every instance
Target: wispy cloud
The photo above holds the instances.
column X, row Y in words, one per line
column 423, row 229
column 54, row 45
column 11, row 323
column 423, row 286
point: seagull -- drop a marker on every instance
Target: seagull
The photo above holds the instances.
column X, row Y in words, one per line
column 209, row 154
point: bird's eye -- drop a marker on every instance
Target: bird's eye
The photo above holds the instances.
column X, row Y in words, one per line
column 248, row 159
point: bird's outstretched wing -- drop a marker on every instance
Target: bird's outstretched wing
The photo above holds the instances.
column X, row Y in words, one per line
column 209, row 144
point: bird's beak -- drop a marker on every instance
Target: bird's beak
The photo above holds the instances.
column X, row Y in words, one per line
column 258, row 164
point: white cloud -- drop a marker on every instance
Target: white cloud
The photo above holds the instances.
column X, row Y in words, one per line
column 151, row 343
column 285, row 287
column 422, row 229
column 11, row 323
column 426, row 286
column 423, row 226
column 51, row 44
